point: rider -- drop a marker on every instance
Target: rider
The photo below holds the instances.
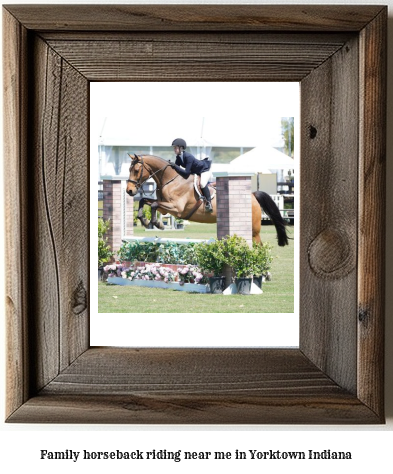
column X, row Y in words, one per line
column 192, row 166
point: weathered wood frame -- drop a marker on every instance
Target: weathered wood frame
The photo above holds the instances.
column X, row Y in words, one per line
column 338, row 54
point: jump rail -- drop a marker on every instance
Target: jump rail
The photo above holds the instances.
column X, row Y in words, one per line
column 163, row 240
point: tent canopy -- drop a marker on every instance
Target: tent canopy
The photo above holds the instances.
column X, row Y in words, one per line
column 261, row 159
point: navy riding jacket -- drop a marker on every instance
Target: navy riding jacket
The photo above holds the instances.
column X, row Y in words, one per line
column 190, row 164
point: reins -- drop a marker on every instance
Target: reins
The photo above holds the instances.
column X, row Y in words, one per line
column 140, row 183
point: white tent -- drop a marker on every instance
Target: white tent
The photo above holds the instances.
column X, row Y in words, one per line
column 261, row 159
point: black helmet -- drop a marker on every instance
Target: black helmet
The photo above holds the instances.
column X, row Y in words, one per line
column 179, row 142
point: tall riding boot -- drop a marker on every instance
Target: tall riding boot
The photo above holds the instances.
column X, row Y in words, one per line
column 208, row 204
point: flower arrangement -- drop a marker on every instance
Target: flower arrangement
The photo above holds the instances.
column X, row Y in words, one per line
column 156, row 272
column 152, row 272
column 113, row 270
column 191, row 274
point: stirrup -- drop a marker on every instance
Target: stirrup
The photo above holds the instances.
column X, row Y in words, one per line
column 208, row 206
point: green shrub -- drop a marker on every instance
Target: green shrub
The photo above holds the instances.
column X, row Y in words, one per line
column 168, row 252
column 141, row 251
column 147, row 212
column 262, row 258
column 238, row 256
column 211, row 257
column 104, row 251
column 244, row 260
column 135, row 217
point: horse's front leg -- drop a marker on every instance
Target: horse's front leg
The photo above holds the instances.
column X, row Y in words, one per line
column 154, row 220
column 144, row 221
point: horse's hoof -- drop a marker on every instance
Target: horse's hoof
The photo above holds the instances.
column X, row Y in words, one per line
column 145, row 223
column 159, row 225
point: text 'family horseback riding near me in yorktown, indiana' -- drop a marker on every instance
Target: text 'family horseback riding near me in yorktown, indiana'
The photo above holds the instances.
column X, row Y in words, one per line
column 177, row 456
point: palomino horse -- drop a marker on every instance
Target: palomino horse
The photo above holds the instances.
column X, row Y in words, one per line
column 177, row 196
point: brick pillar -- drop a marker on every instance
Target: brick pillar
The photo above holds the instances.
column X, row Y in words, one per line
column 128, row 215
column 234, row 213
column 112, row 211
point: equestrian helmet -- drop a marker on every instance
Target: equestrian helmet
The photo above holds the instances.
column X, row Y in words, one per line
column 179, row 142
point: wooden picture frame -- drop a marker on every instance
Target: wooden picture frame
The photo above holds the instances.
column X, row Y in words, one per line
column 338, row 54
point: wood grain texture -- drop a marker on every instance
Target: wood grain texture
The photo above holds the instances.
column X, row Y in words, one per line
column 372, row 198
column 59, row 221
column 52, row 374
column 14, row 71
column 61, row 184
column 329, row 189
column 195, row 17
column 171, row 59
column 193, row 386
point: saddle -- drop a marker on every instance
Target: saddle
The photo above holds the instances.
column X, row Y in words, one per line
column 201, row 198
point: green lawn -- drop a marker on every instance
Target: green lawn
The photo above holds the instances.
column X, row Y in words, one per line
column 193, row 230
column 277, row 297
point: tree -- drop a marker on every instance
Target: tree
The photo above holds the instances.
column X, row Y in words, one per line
column 287, row 132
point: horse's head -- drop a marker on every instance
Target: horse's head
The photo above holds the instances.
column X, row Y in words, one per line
column 138, row 175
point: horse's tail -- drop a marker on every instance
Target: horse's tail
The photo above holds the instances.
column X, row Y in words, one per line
column 271, row 209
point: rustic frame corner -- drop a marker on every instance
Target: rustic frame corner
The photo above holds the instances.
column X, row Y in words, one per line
column 338, row 54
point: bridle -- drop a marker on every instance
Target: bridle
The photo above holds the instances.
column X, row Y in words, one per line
column 139, row 183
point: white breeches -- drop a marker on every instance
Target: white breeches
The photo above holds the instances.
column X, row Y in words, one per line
column 206, row 177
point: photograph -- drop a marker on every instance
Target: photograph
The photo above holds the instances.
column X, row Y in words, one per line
column 210, row 213
column 196, row 201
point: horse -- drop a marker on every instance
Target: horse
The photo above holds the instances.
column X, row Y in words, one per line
column 178, row 197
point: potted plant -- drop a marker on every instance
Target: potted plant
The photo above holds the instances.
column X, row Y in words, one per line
column 239, row 256
column 104, row 251
column 211, row 259
column 261, row 260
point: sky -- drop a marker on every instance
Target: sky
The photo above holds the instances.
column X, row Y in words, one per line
column 223, row 114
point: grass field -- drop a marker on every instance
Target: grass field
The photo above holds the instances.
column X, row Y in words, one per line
column 277, row 297
column 193, row 230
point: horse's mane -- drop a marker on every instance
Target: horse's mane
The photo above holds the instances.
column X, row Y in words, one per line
column 154, row 156
column 164, row 161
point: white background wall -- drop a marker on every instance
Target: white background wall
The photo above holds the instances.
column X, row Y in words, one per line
column 371, row 446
